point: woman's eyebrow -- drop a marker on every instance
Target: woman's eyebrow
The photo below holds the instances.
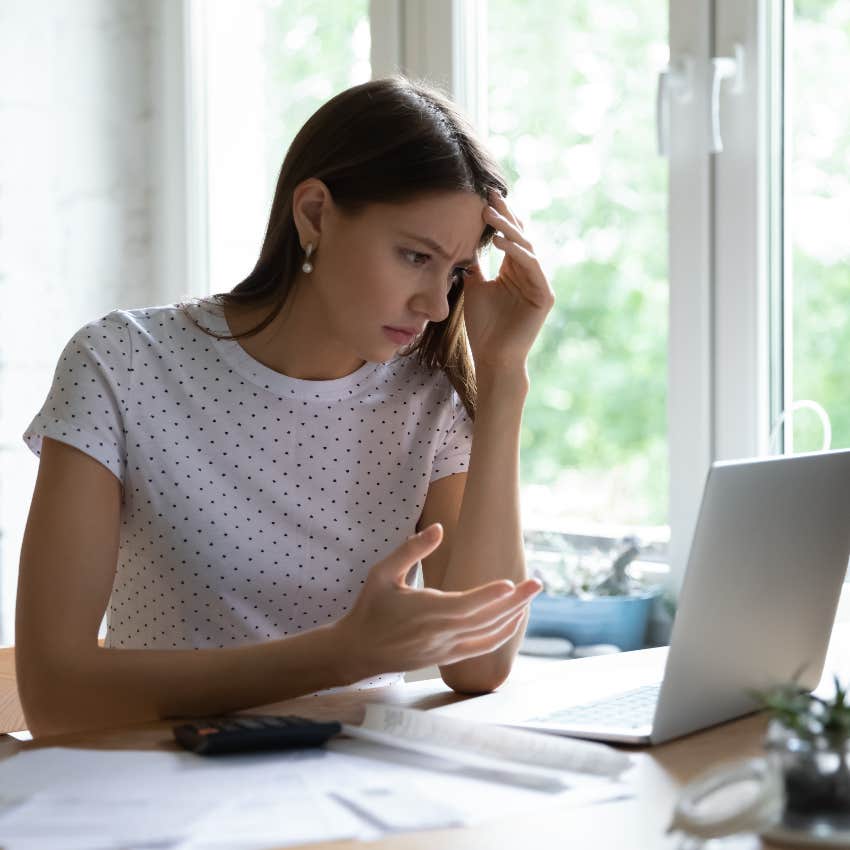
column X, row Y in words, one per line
column 434, row 246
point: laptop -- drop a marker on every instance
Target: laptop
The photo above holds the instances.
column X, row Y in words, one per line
column 757, row 604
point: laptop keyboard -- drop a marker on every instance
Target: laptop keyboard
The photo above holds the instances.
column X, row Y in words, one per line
column 629, row 709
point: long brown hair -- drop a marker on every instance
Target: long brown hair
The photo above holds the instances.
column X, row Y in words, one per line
column 387, row 140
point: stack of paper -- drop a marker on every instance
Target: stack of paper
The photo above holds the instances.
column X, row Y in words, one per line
column 351, row 788
column 536, row 756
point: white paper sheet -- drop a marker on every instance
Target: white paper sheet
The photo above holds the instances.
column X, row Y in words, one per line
column 288, row 813
column 101, row 799
column 515, row 745
column 50, row 816
column 478, row 793
column 73, row 794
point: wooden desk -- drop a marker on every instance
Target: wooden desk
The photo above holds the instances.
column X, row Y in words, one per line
column 636, row 824
column 11, row 713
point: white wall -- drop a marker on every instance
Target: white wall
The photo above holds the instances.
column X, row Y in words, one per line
column 80, row 139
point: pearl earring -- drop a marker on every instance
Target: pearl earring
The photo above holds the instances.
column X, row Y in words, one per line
column 307, row 267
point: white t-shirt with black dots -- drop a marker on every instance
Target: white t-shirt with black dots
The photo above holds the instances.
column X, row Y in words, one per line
column 254, row 504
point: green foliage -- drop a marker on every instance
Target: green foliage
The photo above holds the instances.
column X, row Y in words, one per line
column 312, row 52
column 571, row 94
column 809, row 716
column 821, row 354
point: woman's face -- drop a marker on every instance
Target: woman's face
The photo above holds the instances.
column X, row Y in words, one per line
column 393, row 265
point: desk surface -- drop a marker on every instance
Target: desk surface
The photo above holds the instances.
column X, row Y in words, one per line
column 636, row 823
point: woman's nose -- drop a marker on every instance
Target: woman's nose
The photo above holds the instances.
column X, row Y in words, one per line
column 436, row 301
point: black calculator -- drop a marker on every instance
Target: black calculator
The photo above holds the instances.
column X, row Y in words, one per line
column 240, row 733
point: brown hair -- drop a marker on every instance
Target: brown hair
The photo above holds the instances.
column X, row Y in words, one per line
column 387, row 140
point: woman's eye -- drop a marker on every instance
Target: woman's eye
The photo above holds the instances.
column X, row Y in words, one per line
column 416, row 257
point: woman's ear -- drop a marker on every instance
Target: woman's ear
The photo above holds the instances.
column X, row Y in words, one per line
column 311, row 203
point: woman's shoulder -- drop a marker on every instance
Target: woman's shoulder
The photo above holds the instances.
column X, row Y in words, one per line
column 162, row 315
column 157, row 324
column 124, row 332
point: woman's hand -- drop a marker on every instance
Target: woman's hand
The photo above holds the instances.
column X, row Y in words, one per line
column 504, row 315
column 393, row 628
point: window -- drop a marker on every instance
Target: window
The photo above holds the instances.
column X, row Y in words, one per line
column 782, row 195
column 816, row 208
column 269, row 64
column 569, row 114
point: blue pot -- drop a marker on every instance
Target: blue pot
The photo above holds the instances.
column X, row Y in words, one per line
column 618, row 620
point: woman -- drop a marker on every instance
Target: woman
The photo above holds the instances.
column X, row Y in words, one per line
column 244, row 475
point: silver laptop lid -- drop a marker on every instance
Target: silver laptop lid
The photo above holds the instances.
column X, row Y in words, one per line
column 760, row 592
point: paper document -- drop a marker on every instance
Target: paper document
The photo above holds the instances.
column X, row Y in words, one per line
column 58, row 797
column 77, row 799
column 399, row 810
column 453, row 737
column 50, row 818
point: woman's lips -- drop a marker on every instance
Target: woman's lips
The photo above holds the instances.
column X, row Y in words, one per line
column 400, row 337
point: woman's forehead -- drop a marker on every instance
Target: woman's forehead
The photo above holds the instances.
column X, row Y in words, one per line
column 455, row 204
column 450, row 218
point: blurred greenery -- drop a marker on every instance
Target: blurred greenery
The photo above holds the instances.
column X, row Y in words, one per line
column 571, row 118
column 314, row 49
column 818, row 209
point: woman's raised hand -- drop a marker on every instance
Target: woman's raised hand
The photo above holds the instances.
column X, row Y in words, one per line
column 394, row 628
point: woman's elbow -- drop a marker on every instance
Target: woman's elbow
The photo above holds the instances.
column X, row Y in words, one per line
column 473, row 681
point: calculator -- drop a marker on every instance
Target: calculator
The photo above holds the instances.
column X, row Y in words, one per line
column 240, row 733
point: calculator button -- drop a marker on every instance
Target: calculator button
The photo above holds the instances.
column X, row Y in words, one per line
column 275, row 721
column 249, row 723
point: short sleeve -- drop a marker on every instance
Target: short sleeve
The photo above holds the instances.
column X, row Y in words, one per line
column 453, row 453
column 85, row 404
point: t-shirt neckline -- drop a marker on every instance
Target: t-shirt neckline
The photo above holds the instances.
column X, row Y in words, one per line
column 337, row 389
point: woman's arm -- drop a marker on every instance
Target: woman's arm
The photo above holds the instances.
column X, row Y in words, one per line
column 67, row 682
column 104, row 688
column 487, row 541
column 503, row 317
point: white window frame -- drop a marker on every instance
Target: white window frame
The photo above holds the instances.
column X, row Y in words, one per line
column 180, row 207
column 691, row 347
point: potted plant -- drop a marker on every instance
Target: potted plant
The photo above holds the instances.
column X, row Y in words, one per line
column 589, row 597
column 808, row 739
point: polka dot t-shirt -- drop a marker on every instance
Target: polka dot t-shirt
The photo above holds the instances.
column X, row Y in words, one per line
column 254, row 504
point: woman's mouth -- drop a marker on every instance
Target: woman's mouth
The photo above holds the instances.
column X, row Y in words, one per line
column 397, row 336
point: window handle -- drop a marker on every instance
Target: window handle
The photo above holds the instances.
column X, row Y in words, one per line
column 724, row 68
column 676, row 79
column 787, row 417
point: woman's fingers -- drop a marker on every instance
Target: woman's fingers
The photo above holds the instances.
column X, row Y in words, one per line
column 488, row 620
column 492, row 624
column 482, row 645
column 497, row 199
column 493, row 217
column 475, row 605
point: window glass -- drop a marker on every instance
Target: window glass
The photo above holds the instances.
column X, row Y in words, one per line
column 817, row 213
column 269, row 65
column 571, row 92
